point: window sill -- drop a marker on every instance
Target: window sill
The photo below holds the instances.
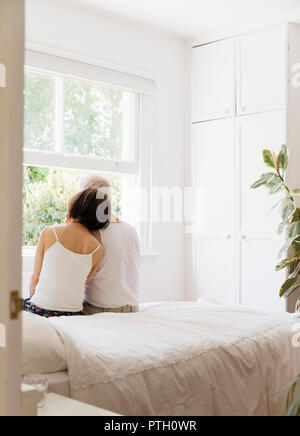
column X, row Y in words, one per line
column 28, row 251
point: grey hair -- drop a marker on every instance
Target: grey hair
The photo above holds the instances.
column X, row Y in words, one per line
column 94, row 181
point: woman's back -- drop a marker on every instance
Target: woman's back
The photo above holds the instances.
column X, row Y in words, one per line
column 70, row 252
column 73, row 237
column 68, row 257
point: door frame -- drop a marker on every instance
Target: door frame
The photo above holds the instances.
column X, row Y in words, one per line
column 12, row 17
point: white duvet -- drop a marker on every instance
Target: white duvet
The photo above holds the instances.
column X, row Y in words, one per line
column 182, row 359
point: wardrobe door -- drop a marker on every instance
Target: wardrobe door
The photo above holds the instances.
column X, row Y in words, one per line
column 213, row 81
column 213, row 161
column 255, row 133
column 262, row 70
column 215, row 270
column 260, row 283
column 213, row 164
column 259, row 243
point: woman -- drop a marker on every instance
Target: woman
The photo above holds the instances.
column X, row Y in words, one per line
column 68, row 257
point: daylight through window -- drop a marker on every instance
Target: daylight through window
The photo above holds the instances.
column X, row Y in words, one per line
column 74, row 126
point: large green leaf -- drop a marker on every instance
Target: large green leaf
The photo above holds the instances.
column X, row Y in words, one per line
column 276, row 187
column 278, row 162
column 287, row 285
column 287, row 262
column 293, row 229
column 284, row 158
column 288, row 211
column 274, row 181
column 263, row 180
column 287, row 245
column 291, row 290
column 281, row 228
column 269, row 159
column 281, row 203
column 294, row 272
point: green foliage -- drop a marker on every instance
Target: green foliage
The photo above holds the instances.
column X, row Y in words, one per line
column 98, row 131
column 37, row 174
column 269, row 158
column 39, row 96
column 264, row 179
column 290, row 215
column 287, row 262
column 283, row 158
column 287, row 286
column 45, row 200
column 46, row 195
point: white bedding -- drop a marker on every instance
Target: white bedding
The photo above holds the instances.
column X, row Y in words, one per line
column 43, row 351
column 181, row 359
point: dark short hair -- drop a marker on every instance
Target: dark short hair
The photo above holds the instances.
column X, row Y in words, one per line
column 91, row 210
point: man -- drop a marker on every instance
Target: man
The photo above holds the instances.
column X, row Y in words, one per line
column 115, row 288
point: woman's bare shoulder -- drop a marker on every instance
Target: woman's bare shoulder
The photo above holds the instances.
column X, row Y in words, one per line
column 47, row 237
column 47, row 232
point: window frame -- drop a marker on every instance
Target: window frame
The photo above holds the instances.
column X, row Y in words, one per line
column 58, row 158
column 144, row 88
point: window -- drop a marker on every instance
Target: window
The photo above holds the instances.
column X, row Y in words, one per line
column 46, row 193
column 71, row 119
column 107, row 129
column 39, row 112
column 75, row 124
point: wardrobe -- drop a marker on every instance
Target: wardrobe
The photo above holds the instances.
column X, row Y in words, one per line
column 245, row 98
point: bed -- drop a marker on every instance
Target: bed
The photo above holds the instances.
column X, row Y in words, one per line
column 180, row 359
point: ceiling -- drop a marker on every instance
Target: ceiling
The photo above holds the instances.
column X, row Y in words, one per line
column 192, row 18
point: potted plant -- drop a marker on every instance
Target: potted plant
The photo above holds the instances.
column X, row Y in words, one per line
column 275, row 182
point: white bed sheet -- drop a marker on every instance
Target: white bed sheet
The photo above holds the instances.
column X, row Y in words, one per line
column 182, row 359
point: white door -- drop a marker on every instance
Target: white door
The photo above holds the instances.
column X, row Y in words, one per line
column 260, row 283
column 262, row 70
column 11, row 146
column 259, row 243
column 215, row 270
column 213, row 81
column 255, row 133
column 213, row 161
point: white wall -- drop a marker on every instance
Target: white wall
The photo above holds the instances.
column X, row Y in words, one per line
column 112, row 39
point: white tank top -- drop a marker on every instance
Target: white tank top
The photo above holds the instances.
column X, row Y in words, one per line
column 117, row 282
column 63, row 278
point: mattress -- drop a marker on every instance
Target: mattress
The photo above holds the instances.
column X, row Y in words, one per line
column 59, row 383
